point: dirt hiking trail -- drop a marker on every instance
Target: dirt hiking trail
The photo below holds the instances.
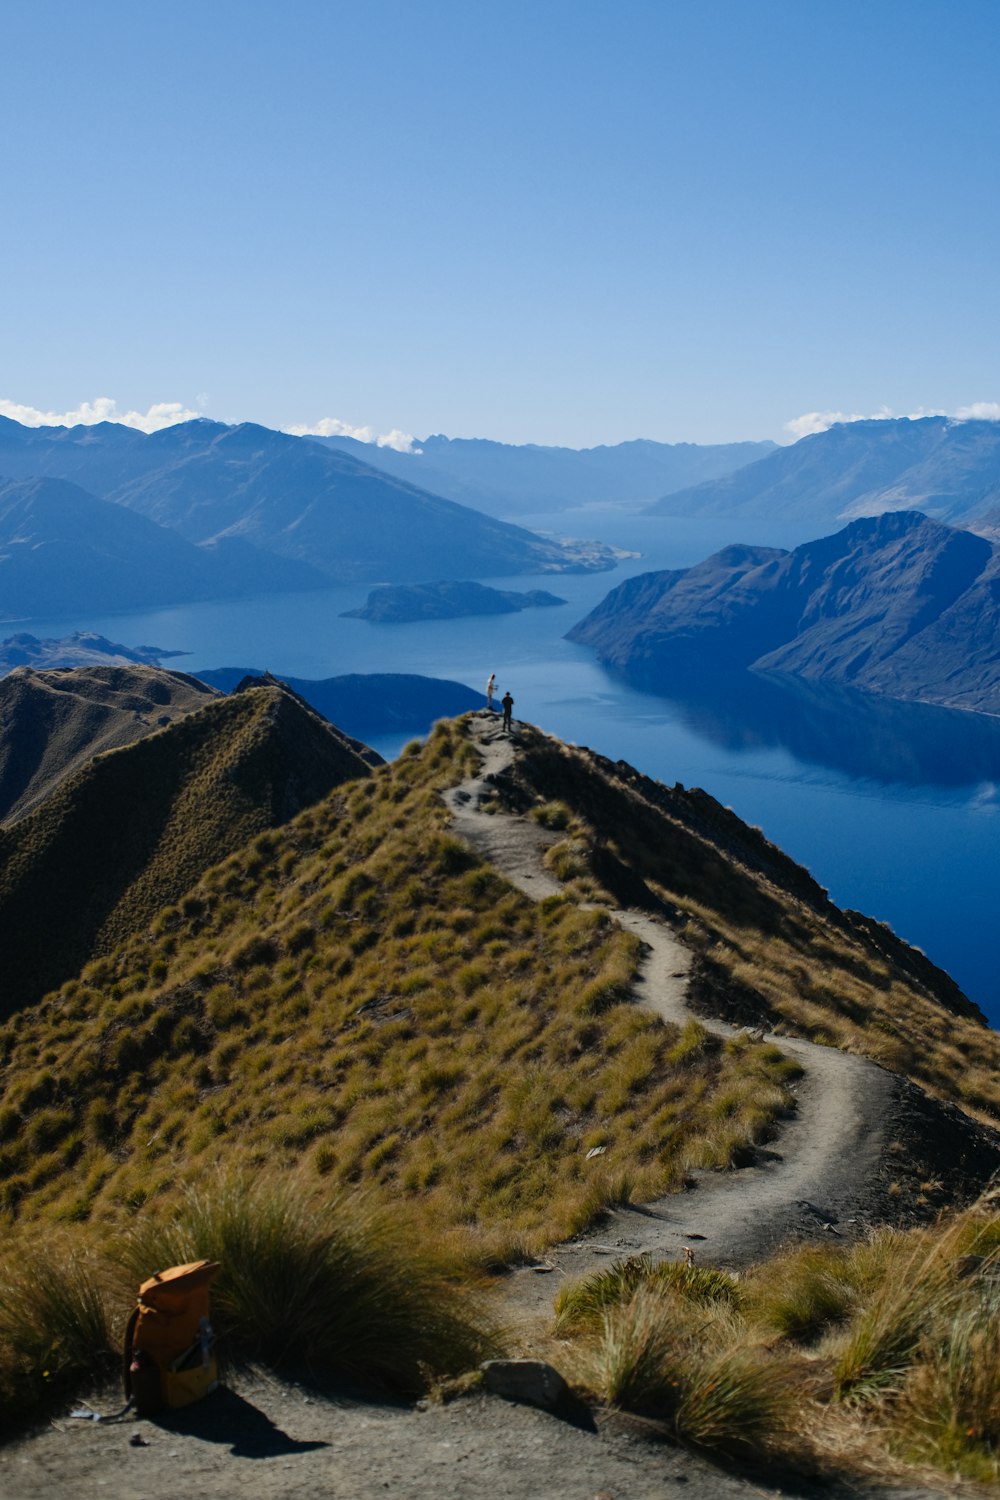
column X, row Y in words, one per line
column 813, row 1174
column 273, row 1440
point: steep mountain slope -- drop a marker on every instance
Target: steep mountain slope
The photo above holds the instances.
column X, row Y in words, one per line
column 52, row 723
column 135, row 827
column 769, row 946
column 367, row 703
column 63, row 550
column 364, row 998
column 896, row 604
column 289, row 496
column 504, row 479
column 302, row 501
column 949, row 470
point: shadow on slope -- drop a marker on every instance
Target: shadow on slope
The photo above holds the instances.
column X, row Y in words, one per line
column 136, row 827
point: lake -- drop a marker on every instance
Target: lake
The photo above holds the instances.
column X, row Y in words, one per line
column 892, row 807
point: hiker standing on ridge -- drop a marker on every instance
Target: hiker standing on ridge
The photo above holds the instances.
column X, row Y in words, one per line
column 507, row 703
column 490, row 690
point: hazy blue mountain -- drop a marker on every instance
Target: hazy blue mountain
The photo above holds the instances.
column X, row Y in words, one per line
column 504, row 478
column 949, row 470
column 99, row 457
column 369, row 703
column 302, row 501
column 84, row 648
column 896, row 604
column 63, row 550
column 400, row 603
column 290, row 497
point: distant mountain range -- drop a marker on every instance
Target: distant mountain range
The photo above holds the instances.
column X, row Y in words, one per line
column 949, row 470
column 64, row 551
column 256, row 509
column 368, row 703
column 506, row 479
column 896, row 604
column 84, row 648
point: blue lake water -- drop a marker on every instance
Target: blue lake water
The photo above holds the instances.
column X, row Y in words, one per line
column 892, row 807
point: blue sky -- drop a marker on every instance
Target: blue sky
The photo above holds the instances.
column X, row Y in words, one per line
column 542, row 222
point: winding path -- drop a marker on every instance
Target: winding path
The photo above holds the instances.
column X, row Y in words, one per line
column 823, row 1155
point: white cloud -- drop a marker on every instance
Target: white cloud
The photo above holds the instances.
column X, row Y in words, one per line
column 820, row 421
column 979, row 411
column 403, row 442
column 104, row 409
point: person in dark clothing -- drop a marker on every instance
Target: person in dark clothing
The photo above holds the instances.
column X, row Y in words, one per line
column 506, row 703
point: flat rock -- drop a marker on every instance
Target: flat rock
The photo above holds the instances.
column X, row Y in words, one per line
column 531, row 1382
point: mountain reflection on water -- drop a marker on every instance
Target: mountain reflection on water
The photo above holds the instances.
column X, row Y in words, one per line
column 865, row 737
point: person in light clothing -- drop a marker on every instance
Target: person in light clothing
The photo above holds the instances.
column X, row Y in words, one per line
column 491, row 688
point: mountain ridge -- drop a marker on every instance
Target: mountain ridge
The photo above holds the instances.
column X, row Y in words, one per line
column 65, row 551
column 508, row 478
column 946, row 468
column 897, row 604
column 190, row 792
column 294, row 500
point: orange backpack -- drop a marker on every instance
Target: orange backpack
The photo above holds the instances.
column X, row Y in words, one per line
column 168, row 1358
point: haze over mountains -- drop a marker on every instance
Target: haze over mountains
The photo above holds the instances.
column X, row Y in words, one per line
column 896, row 604
column 63, row 550
column 202, row 510
column 507, row 479
column 948, row 469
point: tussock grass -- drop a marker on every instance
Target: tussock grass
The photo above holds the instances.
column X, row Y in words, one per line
column 358, row 996
column 581, row 1306
column 870, row 1358
column 691, row 1367
column 771, row 946
column 55, row 1323
column 328, row 1285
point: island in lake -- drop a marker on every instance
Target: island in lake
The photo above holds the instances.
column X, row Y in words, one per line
column 399, row 604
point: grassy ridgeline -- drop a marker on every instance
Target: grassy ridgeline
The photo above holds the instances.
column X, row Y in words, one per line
column 770, row 947
column 359, row 997
column 134, row 828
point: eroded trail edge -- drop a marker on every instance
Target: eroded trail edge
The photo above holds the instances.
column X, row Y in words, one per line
column 814, row 1174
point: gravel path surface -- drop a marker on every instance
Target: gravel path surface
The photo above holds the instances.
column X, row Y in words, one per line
column 274, row 1441
column 815, row 1171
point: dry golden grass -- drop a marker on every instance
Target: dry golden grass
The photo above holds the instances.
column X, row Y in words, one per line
column 359, row 995
column 770, row 945
column 880, row 1358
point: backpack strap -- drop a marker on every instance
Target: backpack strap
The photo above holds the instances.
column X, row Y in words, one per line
column 127, row 1349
